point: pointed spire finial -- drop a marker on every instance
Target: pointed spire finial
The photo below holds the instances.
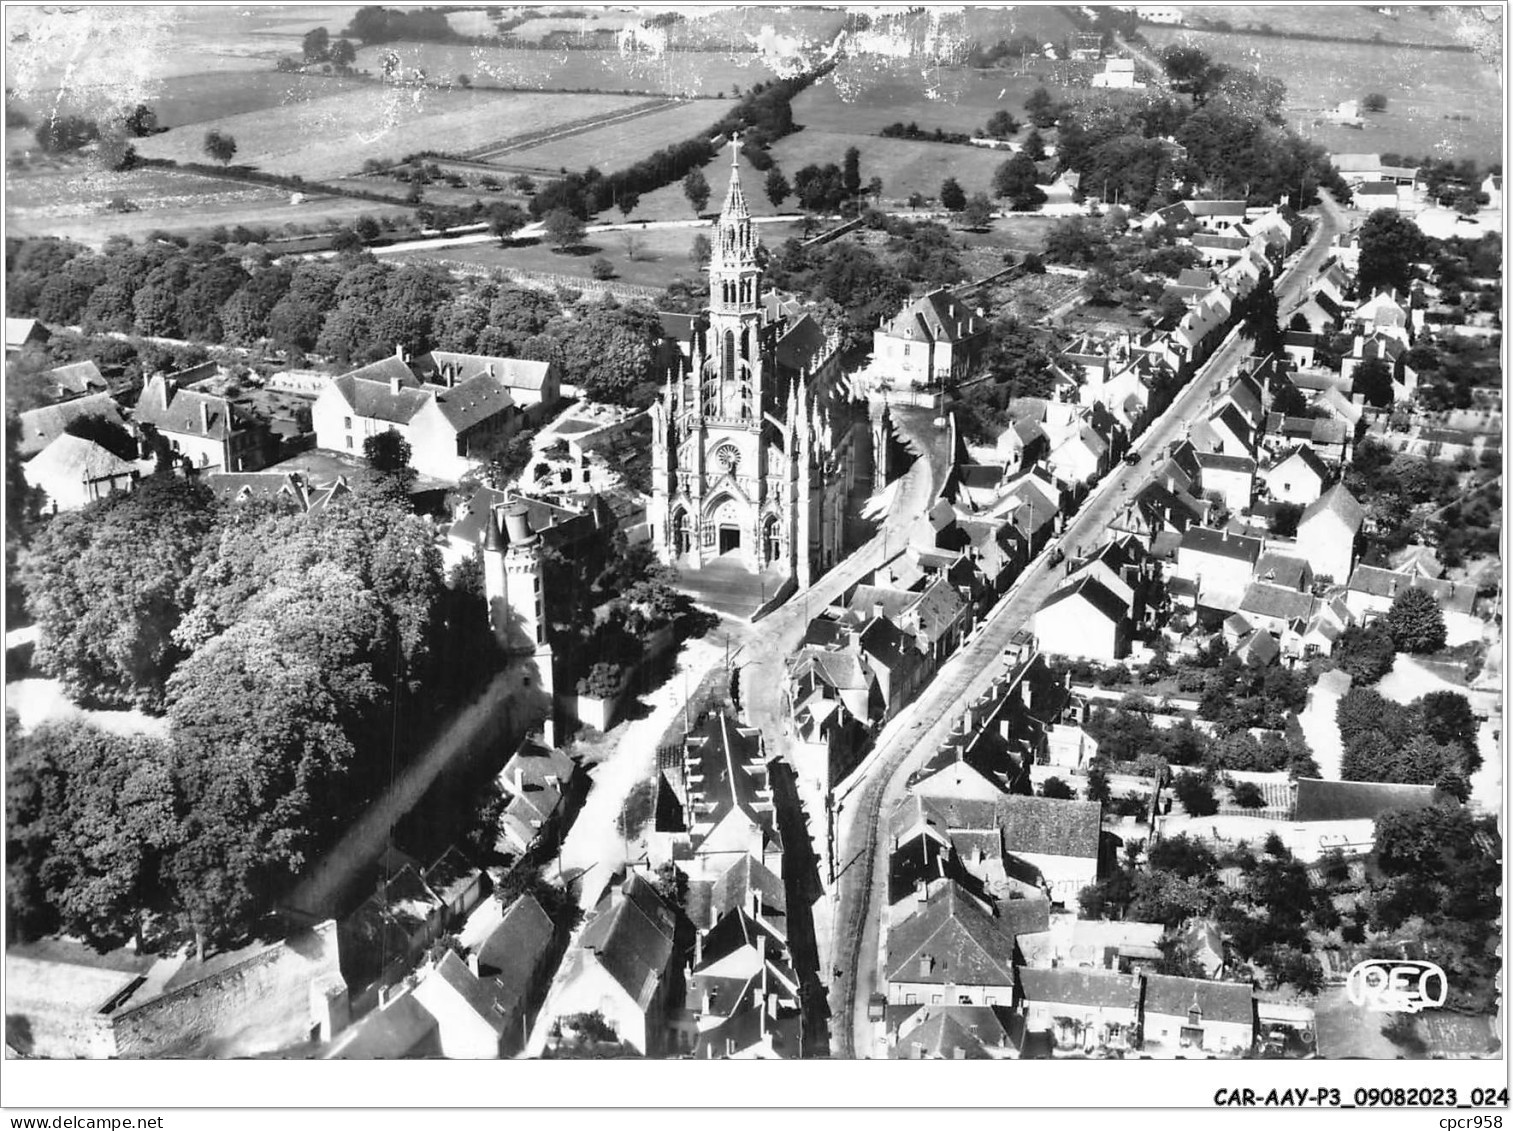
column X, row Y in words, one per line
column 735, row 148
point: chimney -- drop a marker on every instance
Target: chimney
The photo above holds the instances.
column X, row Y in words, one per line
column 518, row 524
column 925, row 963
column 517, row 779
column 549, row 732
column 877, row 610
column 204, row 416
column 399, row 352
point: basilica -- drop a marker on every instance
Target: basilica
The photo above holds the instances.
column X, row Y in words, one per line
column 755, row 438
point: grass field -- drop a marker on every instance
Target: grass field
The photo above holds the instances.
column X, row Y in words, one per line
column 1421, row 88
column 1426, row 24
column 71, row 202
column 661, row 258
column 904, row 166
column 614, row 147
column 187, row 99
column 863, row 98
column 682, row 72
column 334, row 136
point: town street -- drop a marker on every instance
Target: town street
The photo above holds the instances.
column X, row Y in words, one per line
column 920, row 728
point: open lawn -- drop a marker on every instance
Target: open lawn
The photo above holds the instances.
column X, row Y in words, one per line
column 669, row 203
column 187, row 99
column 904, row 166
column 694, row 73
column 334, row 136
column 70, row 201
column 615, row 146
column 1421, row 86
column 662, row 254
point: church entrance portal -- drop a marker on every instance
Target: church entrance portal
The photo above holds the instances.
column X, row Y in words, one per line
column 730, row 538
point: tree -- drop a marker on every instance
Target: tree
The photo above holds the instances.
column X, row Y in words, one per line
column 1415, row 622
column 1365, row 652
column 64, row 133
column 1002, row 125
column 601, row 268
column 142, row 121
column 952, row 197
column 1448, row 719
column 1284, row 519
column 699, row 251
column 1373, row 380
column 507, row 219
column 696, row 189
column 90, row 826
column 1098, row 784
column 778, row 189
column 107, row 586
column 978, row 213
column 851, row 172
column 464, row 81
column 1374, row 103
column 1040, row 108
column 316, row 45
column 564, row 229
column 1390, row 245
column 105, row 432
column 220, row 146
column 1016, row 179
column 1057, row 789
column 1248, row 795
column 1192, row 71
column 628, row 202
column 1196, row 795
column 343, row 54
column 1034, row 146
column 386, row 451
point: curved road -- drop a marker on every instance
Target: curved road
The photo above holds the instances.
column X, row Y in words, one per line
column 920, row 728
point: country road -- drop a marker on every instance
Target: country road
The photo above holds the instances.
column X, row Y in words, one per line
column 920, row 728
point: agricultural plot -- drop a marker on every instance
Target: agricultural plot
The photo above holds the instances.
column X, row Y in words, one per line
column 690, row 73
column 863, row 98
column 1438, row 102
column 334, row 136
column 905, row 166
column 186, row 99
column 72, row 202
column 615, row 145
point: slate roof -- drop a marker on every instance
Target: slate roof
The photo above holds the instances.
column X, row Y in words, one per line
column 1307, row 456
column 386, row 370
column 1262, row 599
column 1338, row 502
column 1377, row 188
column 1024, row 916
column 1459, row 597
column 75, row 460
column 1259, row 648
column 1080, row 987
column 181, row 412
column 474, row 401
column 1282, row 569
column 1203, row 540
column 962, row 943
column 840, row 669
column 1360, row 801
column 1232, row 418
column 515, row 948
column 1216, row 207
column 800, row 344
column 1218, row 461
column 1047, row 827
column 1092, row 591
column 728, row 757
column 632, row 938
column 480, row 995
column 935, row 317
column 953, row 1032
column 78, row 377
column 745, row 878
column 938, row 609
column 1232, row 1002
column 379, row 400
column 510, row 372
column 392, row 1033
column 470, row 526
column 41, row 426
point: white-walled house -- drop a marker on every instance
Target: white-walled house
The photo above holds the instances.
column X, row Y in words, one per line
column 1297, row 476
column 1084, row 619
column 1327, row 533
column 934, row 341
column 1183, row 1017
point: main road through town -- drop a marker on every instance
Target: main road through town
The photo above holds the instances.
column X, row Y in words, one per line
column 918, row 730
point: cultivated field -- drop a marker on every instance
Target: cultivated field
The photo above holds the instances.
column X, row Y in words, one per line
column 904, row 166
column 333, row 136
column 71, row 202
column 187, row 99
column 694, row 73
column 1421, row 86
column 615, row 146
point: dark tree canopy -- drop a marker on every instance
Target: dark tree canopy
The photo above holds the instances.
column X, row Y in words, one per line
column 1390, row 245
column 220, row 146
column 1416, row 622
column 953, row 197
column 696, row 189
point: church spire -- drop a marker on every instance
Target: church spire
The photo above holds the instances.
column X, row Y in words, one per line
column 735, row 199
